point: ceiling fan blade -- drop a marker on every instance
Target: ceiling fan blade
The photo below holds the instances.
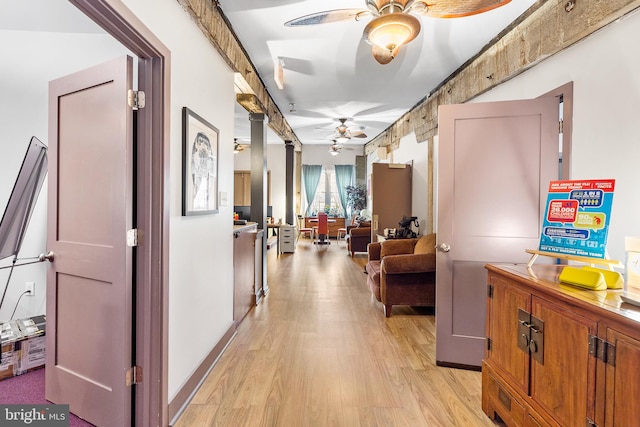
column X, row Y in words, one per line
column 458, row 9
column 357, row 134
column 326, row 17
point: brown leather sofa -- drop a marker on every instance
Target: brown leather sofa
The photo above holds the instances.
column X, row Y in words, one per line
column 358, row 237
column 403, row 272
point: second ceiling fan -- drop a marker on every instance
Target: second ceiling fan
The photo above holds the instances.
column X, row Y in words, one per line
column 344, row 134
column 394, row 24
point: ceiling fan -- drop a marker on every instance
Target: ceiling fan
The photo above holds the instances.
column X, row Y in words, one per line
column 344, row 134
column 237, row 147
column 394, row 24
column 335, row 149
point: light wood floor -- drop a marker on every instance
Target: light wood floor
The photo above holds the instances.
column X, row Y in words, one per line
column 318, row 351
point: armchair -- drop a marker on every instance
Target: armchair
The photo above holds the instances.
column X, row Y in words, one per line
column 358, row 237
column 403, row 272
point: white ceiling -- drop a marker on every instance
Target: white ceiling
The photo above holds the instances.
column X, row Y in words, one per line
column 58, row 16
column 329, row 71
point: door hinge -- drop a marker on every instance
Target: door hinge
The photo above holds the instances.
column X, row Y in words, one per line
column 133, row 376
column 490, row 290
column 489, row 343
column 602, row 350
column 134, row 237
column 135, row 99
column 561, row 126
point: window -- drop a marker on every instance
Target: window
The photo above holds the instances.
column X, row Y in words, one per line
column 327, row 195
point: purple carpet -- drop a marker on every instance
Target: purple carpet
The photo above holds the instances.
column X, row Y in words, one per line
column 29, row 389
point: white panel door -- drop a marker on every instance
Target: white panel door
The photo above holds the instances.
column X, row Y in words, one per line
column 494, row 166
column 89, row 283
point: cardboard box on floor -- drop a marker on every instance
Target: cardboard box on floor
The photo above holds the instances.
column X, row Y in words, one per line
column 9, row 356
column 23, row 346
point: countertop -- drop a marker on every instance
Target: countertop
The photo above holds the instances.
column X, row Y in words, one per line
column 242, row 227
column 544, row 277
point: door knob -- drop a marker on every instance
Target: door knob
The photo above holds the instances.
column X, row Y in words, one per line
column 443, row 247
column 48, row 257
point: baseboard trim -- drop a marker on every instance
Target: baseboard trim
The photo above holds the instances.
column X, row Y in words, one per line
column 458, row 366
column 188, row 390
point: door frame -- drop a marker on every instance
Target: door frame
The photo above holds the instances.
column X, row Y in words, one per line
column 152, row 217
column 566, row 92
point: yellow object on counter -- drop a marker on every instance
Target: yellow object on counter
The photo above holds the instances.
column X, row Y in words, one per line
column 593, row 280
column 613, row 279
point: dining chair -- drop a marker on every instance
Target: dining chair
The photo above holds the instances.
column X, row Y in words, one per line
column 323, row 229
column 342, row 231
column 302, row 230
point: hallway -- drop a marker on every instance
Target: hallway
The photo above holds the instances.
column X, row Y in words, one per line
column 318, row 351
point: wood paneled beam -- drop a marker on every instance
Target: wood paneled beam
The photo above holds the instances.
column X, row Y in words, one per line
column 251, row 103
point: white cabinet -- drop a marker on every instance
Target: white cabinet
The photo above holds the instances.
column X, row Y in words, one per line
column 287, row 237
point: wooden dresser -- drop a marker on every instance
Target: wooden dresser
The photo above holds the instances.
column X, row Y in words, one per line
column 247, row 268
column 558, row 355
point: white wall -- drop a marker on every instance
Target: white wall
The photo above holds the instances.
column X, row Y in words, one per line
column 606, row 128
column 276, row 164
column 29, row 61
column 201, row 254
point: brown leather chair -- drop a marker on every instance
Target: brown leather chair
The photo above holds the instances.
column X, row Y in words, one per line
column 358, row 237
column 403, row 272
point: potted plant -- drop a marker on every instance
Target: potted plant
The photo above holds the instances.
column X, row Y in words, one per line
column 356, row 197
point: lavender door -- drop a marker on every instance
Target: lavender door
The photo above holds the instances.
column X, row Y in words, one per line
column 495, row 161
column 89, row 284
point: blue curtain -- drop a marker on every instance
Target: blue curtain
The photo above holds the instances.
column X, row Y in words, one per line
column 344, row 177
column 311, row 178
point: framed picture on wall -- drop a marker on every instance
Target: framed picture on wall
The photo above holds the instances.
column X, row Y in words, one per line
column 199, row 165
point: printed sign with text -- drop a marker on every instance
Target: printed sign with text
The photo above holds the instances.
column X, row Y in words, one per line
column 577, row 217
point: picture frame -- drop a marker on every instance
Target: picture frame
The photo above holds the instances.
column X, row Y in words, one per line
column 200, row 147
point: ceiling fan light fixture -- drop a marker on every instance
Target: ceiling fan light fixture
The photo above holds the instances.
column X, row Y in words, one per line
column 392, row 30
column 382, row 55
column 342, row 139
column 334, row 150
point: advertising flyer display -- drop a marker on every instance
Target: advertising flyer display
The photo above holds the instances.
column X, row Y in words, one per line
column 577, row 217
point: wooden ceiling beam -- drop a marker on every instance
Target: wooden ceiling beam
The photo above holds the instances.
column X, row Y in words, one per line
column 251, row 103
